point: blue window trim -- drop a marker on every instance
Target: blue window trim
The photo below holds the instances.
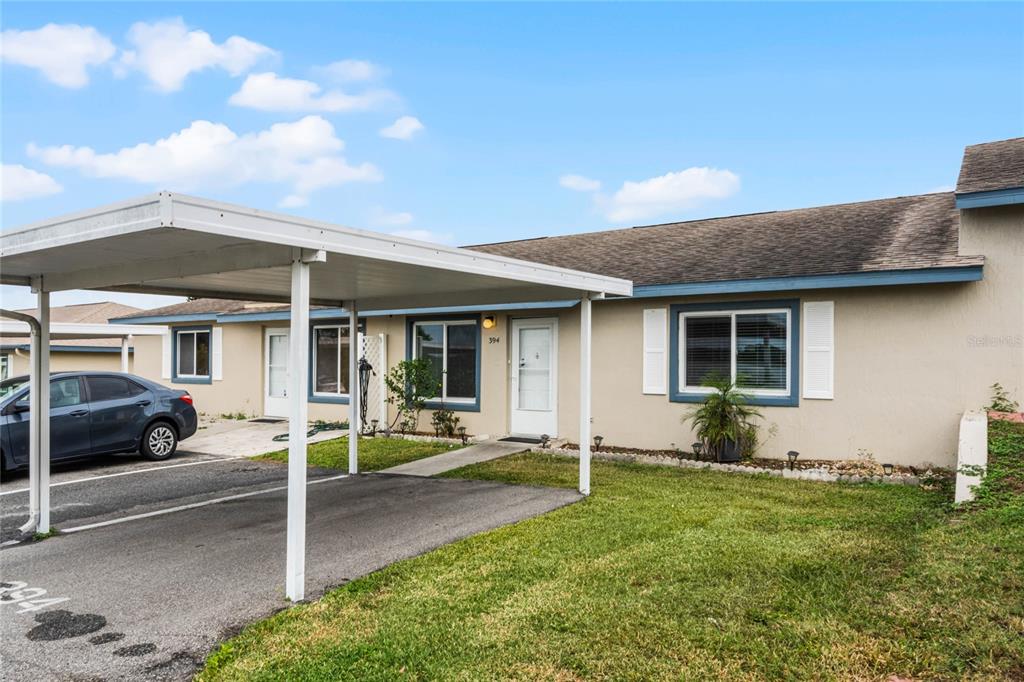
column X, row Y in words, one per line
column 175, row 379
column 792, row 400
column 436, row 404
column 313, row 397
column 995, row 197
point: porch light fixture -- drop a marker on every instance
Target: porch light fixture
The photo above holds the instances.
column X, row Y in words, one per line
column 597, row 442
column 489, row 322
column 544, row 440
column 887, row 468
column 792, row 455
column 462, row 434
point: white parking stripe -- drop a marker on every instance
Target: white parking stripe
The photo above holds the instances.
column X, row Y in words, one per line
column 194, row 505
column 123, row 473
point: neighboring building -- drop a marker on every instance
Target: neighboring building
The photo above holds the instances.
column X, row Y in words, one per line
column 860, row 329
column 70, row 355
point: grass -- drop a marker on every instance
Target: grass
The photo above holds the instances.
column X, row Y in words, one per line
column 1003, row 483
column 674, row 574
column 374, row 453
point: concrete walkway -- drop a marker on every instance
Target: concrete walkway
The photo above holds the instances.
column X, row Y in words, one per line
column 230, row 438
column 481, row 452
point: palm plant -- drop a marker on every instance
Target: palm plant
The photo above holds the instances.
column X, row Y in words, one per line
column 724, row 421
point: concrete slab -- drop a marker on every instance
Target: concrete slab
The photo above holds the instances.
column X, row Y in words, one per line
column 447, row 461
column 230, row 438
column 148, row 599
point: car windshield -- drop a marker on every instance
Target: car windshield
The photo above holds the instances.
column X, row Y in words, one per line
column 9, row 386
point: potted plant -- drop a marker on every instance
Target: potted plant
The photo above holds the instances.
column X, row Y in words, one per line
column 723, row 421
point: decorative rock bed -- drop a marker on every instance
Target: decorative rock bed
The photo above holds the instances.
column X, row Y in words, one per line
column 830, row 472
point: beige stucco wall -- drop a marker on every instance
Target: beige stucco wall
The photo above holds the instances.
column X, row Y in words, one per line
column 69, row 362
column 908, row 361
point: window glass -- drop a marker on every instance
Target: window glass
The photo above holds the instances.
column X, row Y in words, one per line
column 107, row 388
column 430, row 345
column 135, row 389
column 5, row 367
column 331, row 353
column 65, row 392
column 761, row 351
column 203, row 354
column 461, row 355
column 326, row 360
column 186, row 353
column 708, row 348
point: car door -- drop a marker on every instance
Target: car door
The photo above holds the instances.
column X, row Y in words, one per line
column 118, row 409
column 69, row 423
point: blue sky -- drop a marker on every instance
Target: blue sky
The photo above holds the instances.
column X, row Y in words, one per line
column 665, row 112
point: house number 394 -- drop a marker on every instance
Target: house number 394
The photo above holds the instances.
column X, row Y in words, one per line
column 493, row 339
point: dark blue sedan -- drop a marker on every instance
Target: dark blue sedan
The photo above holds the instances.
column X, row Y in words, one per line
column 96, row 413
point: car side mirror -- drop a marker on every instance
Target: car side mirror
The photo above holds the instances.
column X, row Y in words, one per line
column 21, row 406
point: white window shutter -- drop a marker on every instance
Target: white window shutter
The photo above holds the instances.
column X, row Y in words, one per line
column 655, row 372
column 165, row 355
column 217, row 354
column 819, row 350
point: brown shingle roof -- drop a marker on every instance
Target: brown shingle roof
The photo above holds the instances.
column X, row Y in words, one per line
column 82, row 313
column 992, row 166
column 904, row 233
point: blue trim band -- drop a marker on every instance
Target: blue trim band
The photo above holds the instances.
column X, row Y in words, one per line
column 971, row 273
column 792, row 400
column 175, row 379
column 436, row 404
column 996, row 197
column 161, row 319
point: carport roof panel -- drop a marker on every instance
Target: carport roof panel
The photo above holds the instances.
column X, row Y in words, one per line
column 176, row 244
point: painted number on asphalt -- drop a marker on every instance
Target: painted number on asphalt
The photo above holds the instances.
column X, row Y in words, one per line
column 27, row 598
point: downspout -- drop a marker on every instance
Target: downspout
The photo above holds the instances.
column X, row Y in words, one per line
column 34, row 332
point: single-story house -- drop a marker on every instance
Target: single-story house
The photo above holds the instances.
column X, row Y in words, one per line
column 860, row 329
column 73, row 354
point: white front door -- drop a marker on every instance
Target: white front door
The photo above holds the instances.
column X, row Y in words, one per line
column 275, row 398
column 534, row 380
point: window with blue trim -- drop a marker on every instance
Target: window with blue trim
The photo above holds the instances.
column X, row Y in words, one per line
column 331, row 348
column 452, row 347
column 192, row 357
column 751, row 344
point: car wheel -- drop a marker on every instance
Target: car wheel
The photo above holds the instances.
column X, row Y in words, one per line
column 159, row 442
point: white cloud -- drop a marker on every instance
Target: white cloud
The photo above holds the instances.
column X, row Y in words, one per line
column 402, row 129
column 167, row 52
column 303, row 155
column 61, row 52
column 350, row 70
column 270, row 92
column 382, row 218
column 579, row 183
column 18, row 182
column 668, row 193
column 426, row 236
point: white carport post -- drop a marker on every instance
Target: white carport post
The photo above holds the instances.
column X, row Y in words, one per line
column 298, row 378
column 353, row 388
column 585, row 395
column 39, row 416
column 125, row 341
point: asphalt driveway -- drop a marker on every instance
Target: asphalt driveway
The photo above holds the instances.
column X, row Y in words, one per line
column 149, row 598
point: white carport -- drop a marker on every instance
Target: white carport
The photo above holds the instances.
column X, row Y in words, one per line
column 174, row 244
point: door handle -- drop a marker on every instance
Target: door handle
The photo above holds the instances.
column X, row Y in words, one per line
column 143, row 403
column 79, row 413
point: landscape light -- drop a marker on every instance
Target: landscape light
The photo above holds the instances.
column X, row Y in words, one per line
column 887, row 468
column 597, row 442
column 792, row 455
column 462, row 434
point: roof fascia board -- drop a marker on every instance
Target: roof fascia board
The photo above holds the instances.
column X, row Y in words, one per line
column 856, row 279
column 998, row 197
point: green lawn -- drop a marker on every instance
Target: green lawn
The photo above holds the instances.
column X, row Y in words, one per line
column 675, row 574
column 374, row 453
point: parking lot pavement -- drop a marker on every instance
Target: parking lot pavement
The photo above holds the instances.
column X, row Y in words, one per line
column 148, row 599
column 126, row 485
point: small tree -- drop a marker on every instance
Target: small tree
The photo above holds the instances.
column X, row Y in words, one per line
column 410, row 384
column 724, row 420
